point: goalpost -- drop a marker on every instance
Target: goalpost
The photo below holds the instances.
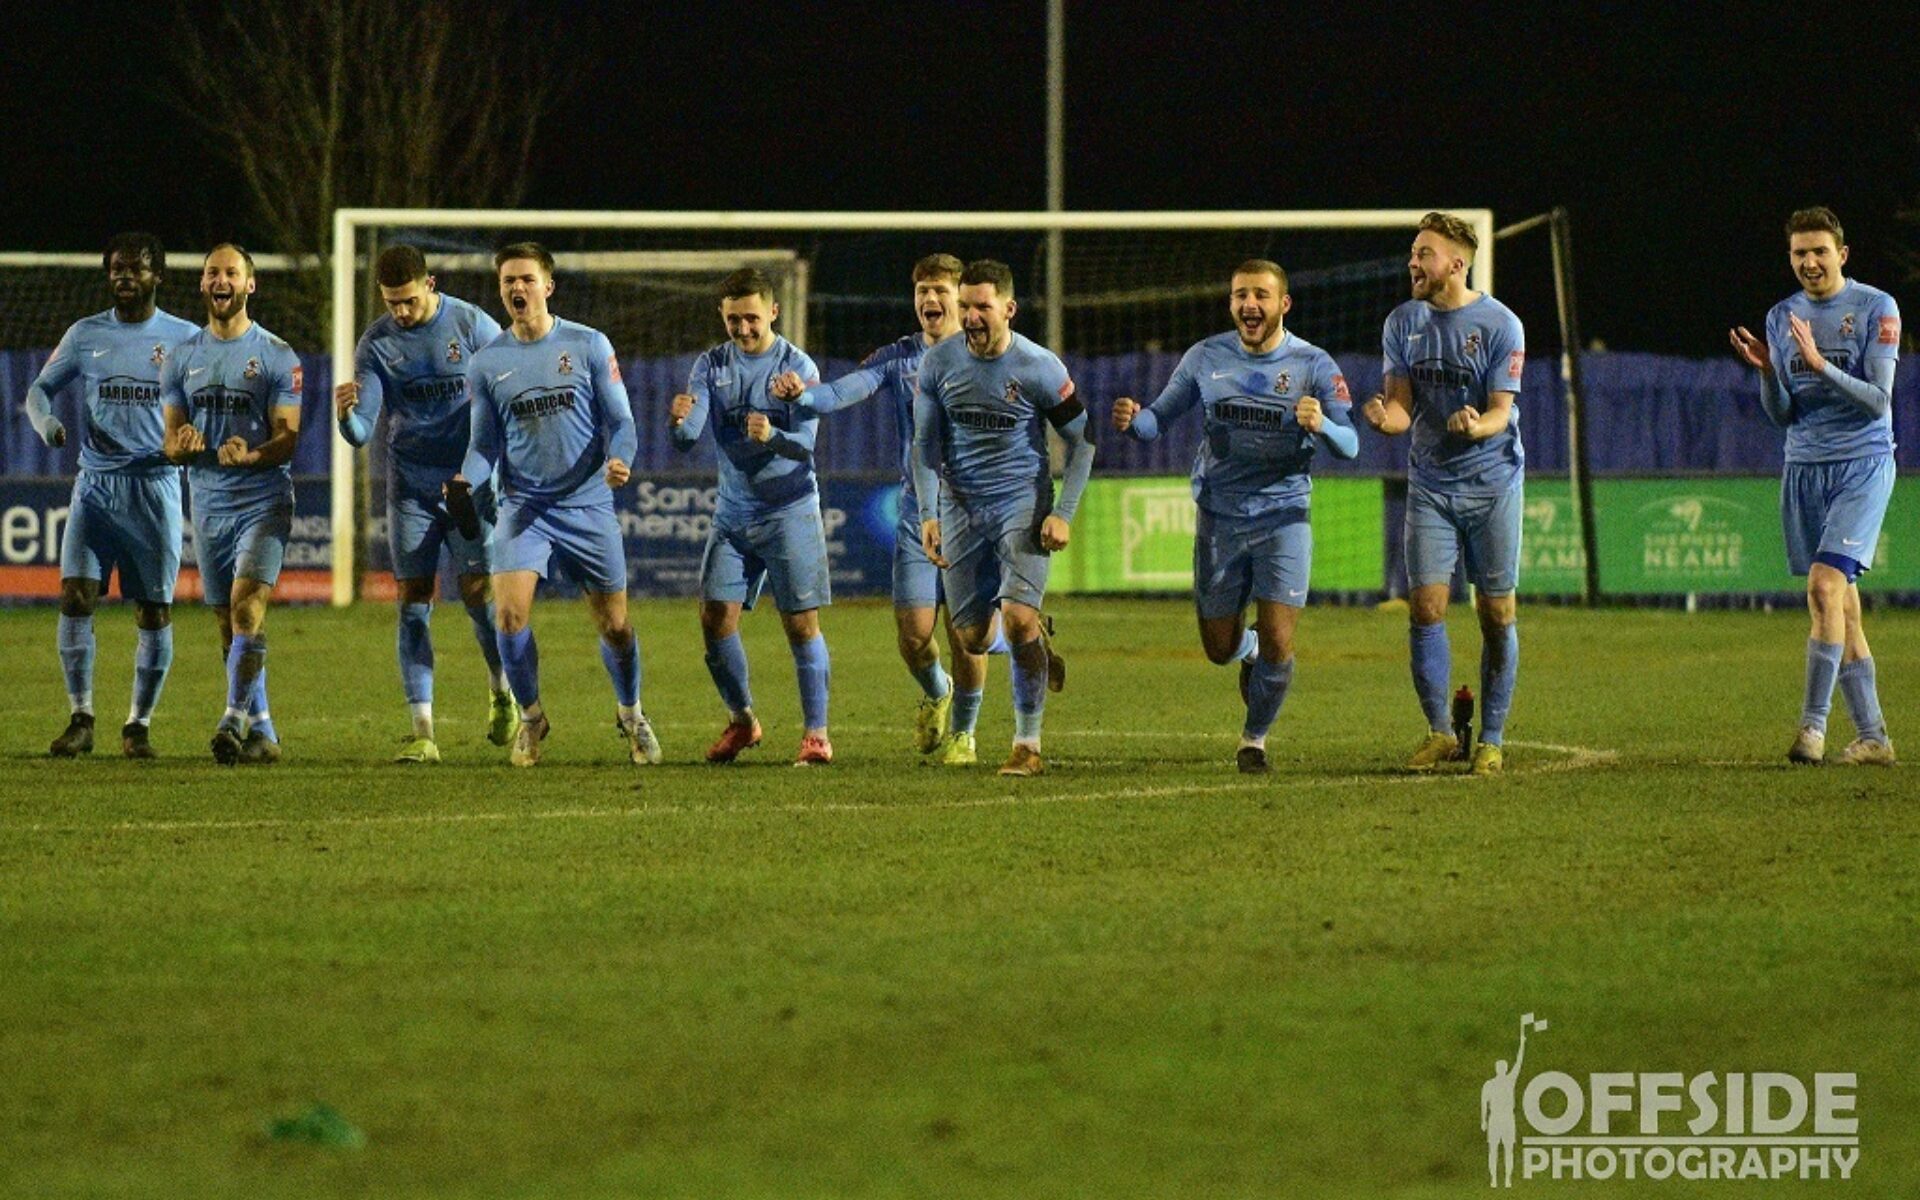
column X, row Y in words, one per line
column 1128, row 282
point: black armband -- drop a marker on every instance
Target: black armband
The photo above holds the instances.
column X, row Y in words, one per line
column 1063, row 414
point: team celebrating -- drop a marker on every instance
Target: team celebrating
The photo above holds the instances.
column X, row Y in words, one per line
column 505, row 448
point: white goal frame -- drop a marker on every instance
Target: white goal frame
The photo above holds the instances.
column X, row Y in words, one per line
column 347, row 223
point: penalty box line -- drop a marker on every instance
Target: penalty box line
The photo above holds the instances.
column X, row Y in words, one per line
column 1576, row 758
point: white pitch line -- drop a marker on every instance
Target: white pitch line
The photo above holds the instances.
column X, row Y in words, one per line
column 1578, row 758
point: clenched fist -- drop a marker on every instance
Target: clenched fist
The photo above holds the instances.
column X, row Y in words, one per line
column 1054, row 533
column 234, row 452
column 787, row 385
column 183, row 443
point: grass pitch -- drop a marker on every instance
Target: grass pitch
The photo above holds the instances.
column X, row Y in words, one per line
column 1142, row 974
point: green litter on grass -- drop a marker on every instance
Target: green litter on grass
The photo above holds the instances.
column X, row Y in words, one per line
column 321, row 1125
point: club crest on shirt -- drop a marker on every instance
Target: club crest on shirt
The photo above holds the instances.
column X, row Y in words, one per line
column 566, row 363
column 1282, row 382
column 253, row 369
column 159, row 356
column 1012, row 393
column 1846, row 325
column 453, row 351
column 1472, row 344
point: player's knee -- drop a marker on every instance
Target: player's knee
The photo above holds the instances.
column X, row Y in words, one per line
column 915, row 643
column 476, row 591
column 1219, row 651
column 1276, row 649
column 1022, row 623
column 974, row 639
column 718, row 620
column 79, row 597
column 801, row 626
column 1826, row 589
column 1496, row 612
column 415, row 591
column 510, row 618
column 151, row 616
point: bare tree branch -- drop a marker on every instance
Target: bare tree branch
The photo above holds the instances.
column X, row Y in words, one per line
column 322, row 104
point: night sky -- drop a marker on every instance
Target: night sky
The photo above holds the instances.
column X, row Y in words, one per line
column 1679, row 141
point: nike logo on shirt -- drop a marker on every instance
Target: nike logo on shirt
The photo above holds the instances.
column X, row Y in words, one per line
column 98, row 353
column 1220, row 374
column 503, row 375
column 192, row 371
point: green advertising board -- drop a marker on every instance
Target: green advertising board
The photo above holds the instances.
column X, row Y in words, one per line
column 1136, row 535
column 1656, row 537
column 1675, row 536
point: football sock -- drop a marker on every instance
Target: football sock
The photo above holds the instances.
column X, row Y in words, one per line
column 414, row 642
column 259, row 720
column 966, row 708
column 1863, row 699
column 483, row 625
column 1823, row 668
column 621, row 653
column 1432, row 663
column 1266, row 692
column 1499, row 667
column 246, row 659
column 812, row 669
column 152, row 656
column 76, row 661
column 933, row 680
column 727, row 663
column 1029, row 690
column 521, row 658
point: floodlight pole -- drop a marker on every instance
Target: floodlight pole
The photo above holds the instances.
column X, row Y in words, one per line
column 1578, row 462
column 1056, row 172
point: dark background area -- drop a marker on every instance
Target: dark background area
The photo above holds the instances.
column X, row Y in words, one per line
column 1679, row 139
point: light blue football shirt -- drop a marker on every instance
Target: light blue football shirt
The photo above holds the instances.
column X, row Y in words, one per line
column 419, row 376
column 231, row 388
column 1853, row 327
column 1254, row 458
column 989, row 416
column 118, row 367
column 1454, row 359
column 727, row 386
column 550, row 413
